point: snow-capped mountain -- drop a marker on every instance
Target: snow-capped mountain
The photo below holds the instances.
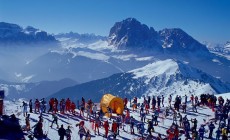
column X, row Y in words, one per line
column 34, row 90
column 14, row 34
column 219, row 49
column 161, row 77
column 176, row 39
column 130, row 33
column 80, row 38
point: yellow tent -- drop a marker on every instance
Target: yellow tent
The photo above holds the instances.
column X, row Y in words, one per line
column 113, row 102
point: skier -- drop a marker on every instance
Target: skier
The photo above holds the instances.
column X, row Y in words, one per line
column 38, row 131
column 27, row 122
column 81, row 131
column 132, row 125
column 55, row 120
column 176, row 132
column 201, row 132
column 67, row 105
column 175, row 117
column 150, row 127
column 170, row 133
column 184, row 107
column 162, row 99
column 114, row 129
column 224, row 134
column 143, row 116
column 158, row 102
column 134, row 103
column 88, row 136
column 218, row 133
column 153, row 103
column 194, row 121
column 68, row 133
column 170, row 100
column 147, row 108
column 156, row 115
column 106, row 126
column 211, row 128
column 118, row 121
column 24, row 106
column 51, row 102
column 125, row 102
column 31, row 106
column 94, row 110
column 43, row 105
column 180, row 119
column 97, row 124
column 194, row 107
column 37, row 106
column 61, row 132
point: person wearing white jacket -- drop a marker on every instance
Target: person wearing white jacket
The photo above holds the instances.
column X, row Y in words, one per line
column 94, row 110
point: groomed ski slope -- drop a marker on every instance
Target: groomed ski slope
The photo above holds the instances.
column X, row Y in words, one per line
column 203, row 116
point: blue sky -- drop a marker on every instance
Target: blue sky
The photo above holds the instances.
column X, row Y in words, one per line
column 205, row 20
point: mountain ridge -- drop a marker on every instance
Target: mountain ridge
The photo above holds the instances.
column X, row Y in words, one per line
column 147, row 81
column 14, row 34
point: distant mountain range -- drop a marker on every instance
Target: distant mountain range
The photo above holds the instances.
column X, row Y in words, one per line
column 161, row 77
column 219, row 49
column 14, row 34
column 126, row 63
column 131, row 34
column 34, row 90
column 81, row 38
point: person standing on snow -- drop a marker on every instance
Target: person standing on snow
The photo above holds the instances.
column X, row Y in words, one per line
column 132, row 125
column 81, row 131
column 55, row 120
column 150, row 127
column 194, row 121
column 156, row 115
column 106, row 126
column 162, row 100
column 170, row 100
column 218, row 133
column 114, row 129
column 61, row 132
column 158, row 101
column 201, row 132
column 94, row 111
column 31, row 106
column 68, row 133
column 88, row 136
column 27, row 122
column 37, row 106
column 211, row 128
column 24, row 106
column 97, row 124
column 153, row 103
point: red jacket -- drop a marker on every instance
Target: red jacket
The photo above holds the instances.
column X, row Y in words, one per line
column 106, row 125
column 114, row 127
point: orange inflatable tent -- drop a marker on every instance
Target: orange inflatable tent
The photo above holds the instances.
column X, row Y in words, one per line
column 113, row 102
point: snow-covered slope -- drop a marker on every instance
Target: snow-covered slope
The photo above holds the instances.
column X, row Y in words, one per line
column 161, row 77
column 203, row 116
column 219, row 49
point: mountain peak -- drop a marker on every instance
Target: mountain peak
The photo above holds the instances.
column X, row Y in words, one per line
column 130, row 33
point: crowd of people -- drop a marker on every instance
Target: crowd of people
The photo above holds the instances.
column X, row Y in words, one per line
column 153, row 107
